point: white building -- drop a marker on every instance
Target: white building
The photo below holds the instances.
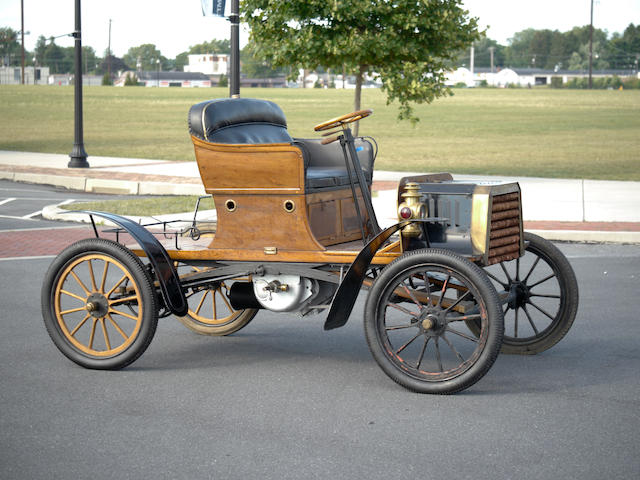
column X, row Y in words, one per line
column 13, row 75
column 209, row 64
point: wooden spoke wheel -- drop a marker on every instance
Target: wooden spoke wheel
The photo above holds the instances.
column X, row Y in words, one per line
column 415, row 322
column 211, row 313
column 99, row 304
column 540, row 294
column 343, row 120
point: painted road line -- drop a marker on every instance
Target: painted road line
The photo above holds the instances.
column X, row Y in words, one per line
column 39, row 257
column 7, row 200
column 30, row 215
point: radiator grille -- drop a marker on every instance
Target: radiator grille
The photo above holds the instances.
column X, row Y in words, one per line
column 504, row 233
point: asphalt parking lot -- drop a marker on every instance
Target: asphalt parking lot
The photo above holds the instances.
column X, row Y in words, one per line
column 284, row 399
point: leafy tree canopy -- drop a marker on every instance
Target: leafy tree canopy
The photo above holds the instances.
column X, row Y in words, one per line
column 146, row 56
column 406, row 42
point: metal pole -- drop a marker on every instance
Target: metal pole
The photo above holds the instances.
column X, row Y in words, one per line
column 109, row 54
column 22, row 35
column 78, row 155
column 591, row 46
column 234, row 18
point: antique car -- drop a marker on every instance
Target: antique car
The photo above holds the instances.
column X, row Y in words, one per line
column 452, row 283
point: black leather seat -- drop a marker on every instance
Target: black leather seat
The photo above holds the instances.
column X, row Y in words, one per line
column 253, row 121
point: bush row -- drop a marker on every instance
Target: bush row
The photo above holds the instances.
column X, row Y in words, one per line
column 600, row 83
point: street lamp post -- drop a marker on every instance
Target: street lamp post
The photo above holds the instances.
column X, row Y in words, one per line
column 158, row 74
column 78, row 154
column 234, row 18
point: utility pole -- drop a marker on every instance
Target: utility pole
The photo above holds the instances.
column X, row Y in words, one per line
column 22, row 35
column 109, row 54
column 491, row 49
column 591, row 46
column 78, row 154
column 234, row 18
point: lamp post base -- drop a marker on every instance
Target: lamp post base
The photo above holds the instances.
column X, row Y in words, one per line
column 78, row 157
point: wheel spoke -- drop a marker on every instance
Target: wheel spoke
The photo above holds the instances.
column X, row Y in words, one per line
column 427, row 287
column 104, row 276
column 71, row 310
column 518, row 269
column 213, row 305
column 515, row 326
column 117, row 327
column 408, row 343
column 463, row 335
column 475, row 316
column 82, row 322
column 411, row 295
column 422, row 351
column 443, row 291
column 490, row 275
column 457, row 301
column 73, row 274
column 106, row 335
column 197, row 310
column 93, row 332
column 532, row 269
column 118, row 312
column 438, row 355
column 531, row 320
column 400, row 327
column 91, row 275
column 122, row 300
column 542, row 281
column 504, row 269
column 402, row 309
column 73, row 295
column 544, row 296
column 453, row 349
column 108, row 294
column 226, row 302
column 541, row 310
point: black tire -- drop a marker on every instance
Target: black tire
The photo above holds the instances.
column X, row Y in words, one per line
column 99, row 305
column 542, row 297
column 444, row 359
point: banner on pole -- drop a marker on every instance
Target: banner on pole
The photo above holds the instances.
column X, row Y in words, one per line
column 213, row 8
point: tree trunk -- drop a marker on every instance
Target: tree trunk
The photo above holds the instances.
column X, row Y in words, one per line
column 358, row 97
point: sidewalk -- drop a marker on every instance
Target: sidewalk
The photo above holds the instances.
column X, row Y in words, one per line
column 558, row 209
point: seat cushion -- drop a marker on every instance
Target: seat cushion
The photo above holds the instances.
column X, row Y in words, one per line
column 238, row 121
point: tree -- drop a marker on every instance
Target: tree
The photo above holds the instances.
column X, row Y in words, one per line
column 255, row 67
column 147, row 55
column 406, row 42
column 9, row 47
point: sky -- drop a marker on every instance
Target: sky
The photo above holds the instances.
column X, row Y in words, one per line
column 173, row 26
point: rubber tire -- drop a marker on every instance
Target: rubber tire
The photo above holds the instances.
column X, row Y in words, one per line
column 486, row 291
column 149, row 302
column 233, row 326
column 568, row 304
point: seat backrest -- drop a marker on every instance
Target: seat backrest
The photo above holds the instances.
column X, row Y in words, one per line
column 238, row 121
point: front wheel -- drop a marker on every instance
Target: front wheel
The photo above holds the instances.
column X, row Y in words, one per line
column 416, row 322
column 99, row 305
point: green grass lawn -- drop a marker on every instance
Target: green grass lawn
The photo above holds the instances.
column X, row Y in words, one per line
column 523, row 132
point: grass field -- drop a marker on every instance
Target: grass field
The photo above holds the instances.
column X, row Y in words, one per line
column 522, row 132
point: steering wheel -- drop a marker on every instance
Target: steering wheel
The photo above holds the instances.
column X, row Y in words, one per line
column 343, row 120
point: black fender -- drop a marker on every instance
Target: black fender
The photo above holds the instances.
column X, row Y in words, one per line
column 166, row 274
column 345, row 297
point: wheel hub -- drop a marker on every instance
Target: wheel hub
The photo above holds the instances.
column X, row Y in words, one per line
column 432, row 324
column 518, row 295
column 97, row 305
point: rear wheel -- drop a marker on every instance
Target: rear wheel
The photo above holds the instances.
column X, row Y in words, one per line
column 99, row 305
column 541, row 297
column 415, row 322
column 210, row 311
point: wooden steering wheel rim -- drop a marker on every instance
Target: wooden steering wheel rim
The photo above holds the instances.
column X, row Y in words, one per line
column 344, row 119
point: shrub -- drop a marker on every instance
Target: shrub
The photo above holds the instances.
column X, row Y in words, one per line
column 106, row 79
column 556, row 82
column 131, row 80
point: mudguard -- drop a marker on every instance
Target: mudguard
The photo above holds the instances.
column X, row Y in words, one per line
column 347, row 293
column 165, row 272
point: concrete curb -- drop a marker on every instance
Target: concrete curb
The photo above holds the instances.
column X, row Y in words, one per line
column 103, row 185
column 588, row 236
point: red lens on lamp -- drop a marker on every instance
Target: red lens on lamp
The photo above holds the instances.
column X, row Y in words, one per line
column 405, row 212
